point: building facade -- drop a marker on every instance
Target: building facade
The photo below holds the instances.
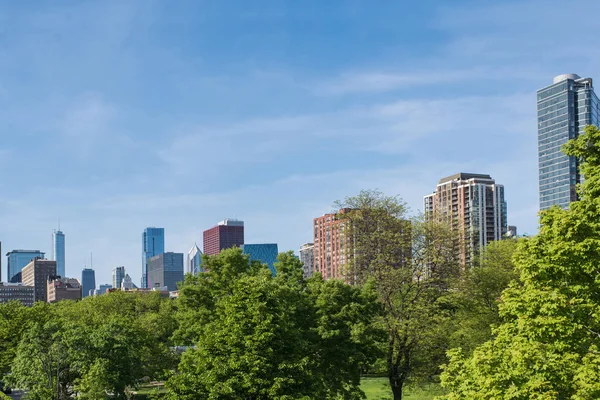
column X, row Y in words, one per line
column 63, row 289
column 58, row 252
column 127, row 283
column 88, row 282
column 118, row 274
column 266, row 253
column 36, row 274
column 102, row 289
column 307, row 256
column 331, row 245
column 474, row 206
column 165, row 270
column 17, row 291
column 564, row 109
column 194, row 260
column 225, row 234
column 17, row 259
column 153, row 243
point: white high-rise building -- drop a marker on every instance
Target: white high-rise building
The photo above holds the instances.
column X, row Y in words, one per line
column 193, row 263
column 307, row 256
column 473, row 204
column 118, row 275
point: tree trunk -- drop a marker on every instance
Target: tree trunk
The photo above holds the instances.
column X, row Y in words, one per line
column 396, row 385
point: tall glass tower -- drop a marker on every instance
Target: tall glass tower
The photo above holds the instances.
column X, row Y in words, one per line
column 153, row 244
column 58, row 252
column 564, row 109
column 88, row 281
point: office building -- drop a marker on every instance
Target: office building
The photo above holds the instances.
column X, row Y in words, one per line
column 58, row 252
column 127, row 283
column 17, row 259
column 63, row 289
column 153, row 244
column 511, row 231
column 474, row 206
column 564, row 109
column 102, row 289
column 118, row 275
column 266, row 253
column 165, row 270
column 331, row 245
column 224, row 235
column 36, row 274
column 194, row 260
column 307, row 255
column 88, row 282
column 17, row 291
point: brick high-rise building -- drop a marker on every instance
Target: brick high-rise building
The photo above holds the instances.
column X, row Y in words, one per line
column 331, row 245
column 36, row 274
column 63, row 289
column 474, row 206
column 225, row 234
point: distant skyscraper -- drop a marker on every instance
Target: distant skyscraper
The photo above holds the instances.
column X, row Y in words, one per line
column 36, row 274
column 58, row 252
column 266, row 253
column 17, row 259
column 225, row 234
column 102, row 289
column 473, row 204
column 153, row 243
column 118, row 275
column 165, row 270
column 331, row 245
column 564, row 109
column 127, row 283
column 88, row 281
column 307, row 256
column 194, row 260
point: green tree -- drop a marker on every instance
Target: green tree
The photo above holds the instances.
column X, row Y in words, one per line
column 547, row 346
column 412, row 263
column 265, row 337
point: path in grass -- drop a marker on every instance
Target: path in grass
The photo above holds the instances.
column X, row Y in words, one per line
column 379, row 389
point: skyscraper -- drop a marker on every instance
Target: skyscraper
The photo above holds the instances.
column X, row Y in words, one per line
column 118, row 275
column 474, row 206
column 165, row 270
column 225, row 234
column 194, row 260
column 564, row 109
column 17, row 259
column 153, row 243
column 88, row 281
column 266, row 253
column 331, row 245
column 36, row 274
column 58, row 252
column 307, row 256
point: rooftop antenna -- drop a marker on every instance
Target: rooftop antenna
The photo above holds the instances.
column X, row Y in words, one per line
column 91, row 260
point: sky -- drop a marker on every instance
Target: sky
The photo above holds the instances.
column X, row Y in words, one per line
column 119, row 115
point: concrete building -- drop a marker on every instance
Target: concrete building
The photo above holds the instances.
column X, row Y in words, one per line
column 193, row 263
column 118, row 275
column 266, row 253
column 331, row 245
column 165, row 270
column 88, row 282
column 63, row 289
column 307, row 256
column 564, row 109
column 18, row 292
column 153, row 244
column 474, row 206
column 58, row 252
column 17, row 259
column 36, row 274
column 224, row 235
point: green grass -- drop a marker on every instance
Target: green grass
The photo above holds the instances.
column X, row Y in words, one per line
column 379, row 389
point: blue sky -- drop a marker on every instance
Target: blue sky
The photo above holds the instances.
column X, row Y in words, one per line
column 117, row 115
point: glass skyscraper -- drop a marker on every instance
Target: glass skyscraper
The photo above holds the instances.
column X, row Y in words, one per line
column 165, row 270
column 564, row 109
column 194, row 260
column 266, row 253
column 17, row 259
column 118, row 275
column 88, row 282
column 58, row 252
column 153, row 244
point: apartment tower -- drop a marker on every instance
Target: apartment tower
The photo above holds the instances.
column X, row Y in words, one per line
column 331, row 245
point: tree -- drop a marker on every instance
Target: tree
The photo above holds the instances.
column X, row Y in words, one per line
column 413, row 263
column 265, row 337
column 547, row 346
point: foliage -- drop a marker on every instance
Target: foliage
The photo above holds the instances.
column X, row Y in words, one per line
column 413, row 264
column 264, row 337
column 547, row 346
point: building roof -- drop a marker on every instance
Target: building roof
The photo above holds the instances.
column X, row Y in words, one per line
column 463, row 176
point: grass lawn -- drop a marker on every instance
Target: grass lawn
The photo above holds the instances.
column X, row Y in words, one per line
column 379, row 389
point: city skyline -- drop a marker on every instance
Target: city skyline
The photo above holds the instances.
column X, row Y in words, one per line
column 267, row 113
